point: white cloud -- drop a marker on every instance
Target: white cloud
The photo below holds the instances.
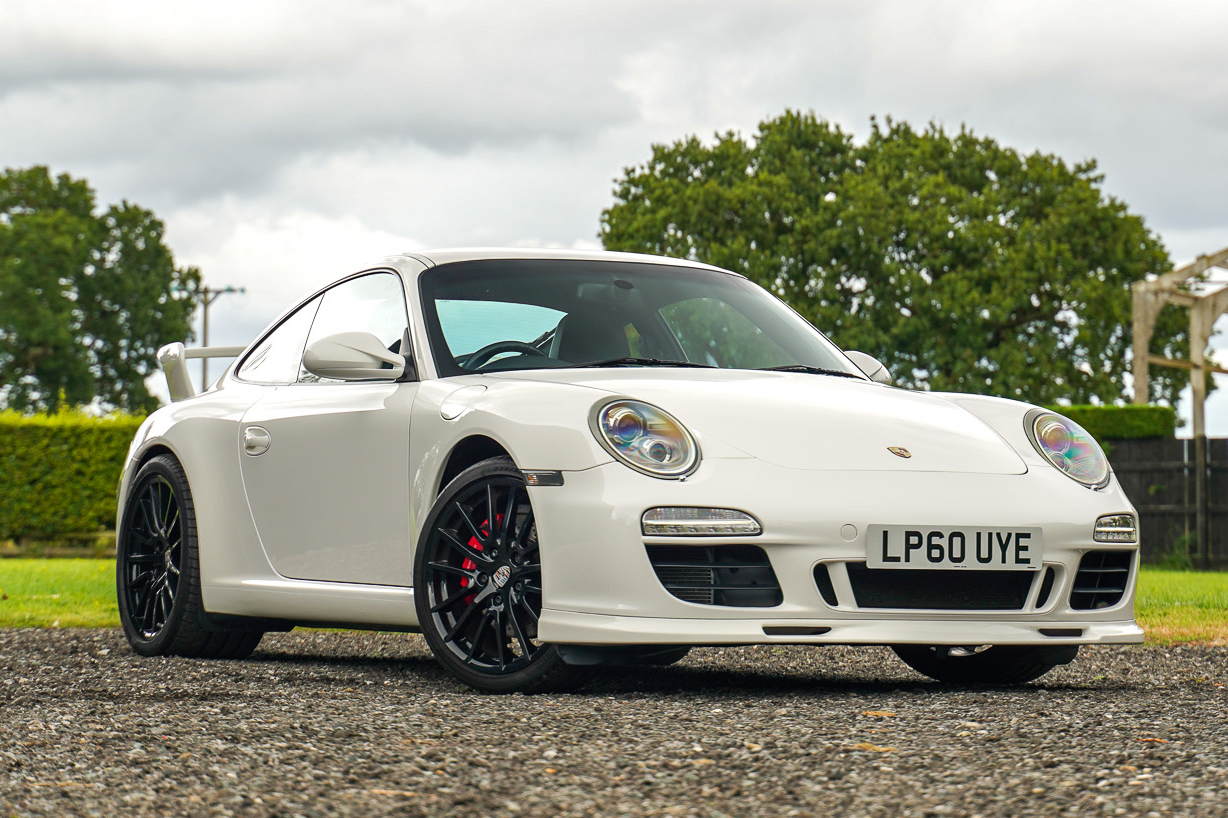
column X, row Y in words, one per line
column 284, row 142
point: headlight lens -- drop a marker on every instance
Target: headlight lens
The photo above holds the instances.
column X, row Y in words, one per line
column 1069, row 447
column 646, row 438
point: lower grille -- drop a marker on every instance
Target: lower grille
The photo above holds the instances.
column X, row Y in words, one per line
column 739, row 576
column 1102, row 579
column 939, row 590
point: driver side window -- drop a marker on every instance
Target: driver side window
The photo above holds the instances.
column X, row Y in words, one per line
column 372, row 303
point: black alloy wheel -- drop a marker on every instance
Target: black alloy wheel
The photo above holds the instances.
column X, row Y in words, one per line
column 153, row 555
column 157, row 572
column 478, row 585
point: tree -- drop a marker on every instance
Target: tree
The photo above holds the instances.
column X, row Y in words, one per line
column 959, row 263
column 86, row 297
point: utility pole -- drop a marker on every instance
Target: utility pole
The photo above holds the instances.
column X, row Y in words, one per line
column 209, row 295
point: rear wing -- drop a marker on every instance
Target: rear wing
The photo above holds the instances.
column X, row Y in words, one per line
column 174, row 360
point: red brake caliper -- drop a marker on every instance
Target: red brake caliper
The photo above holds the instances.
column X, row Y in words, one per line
column 469, row 564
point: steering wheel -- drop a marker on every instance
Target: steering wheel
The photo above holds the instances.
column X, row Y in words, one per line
column 482, row 357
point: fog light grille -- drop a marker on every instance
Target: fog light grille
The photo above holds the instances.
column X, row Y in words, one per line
column 1102, row 579
column 735, row 575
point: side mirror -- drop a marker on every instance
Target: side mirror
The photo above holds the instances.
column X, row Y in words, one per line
column 870, row 365
column 353, row 356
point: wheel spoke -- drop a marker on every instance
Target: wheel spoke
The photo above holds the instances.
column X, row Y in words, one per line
column 490, row 509
column 452, row 600
column 501, row 638
column 157, row 507
column 143, row 505
column 477, row 635
column 507, row 532
column 526, row 648
column 142, row 579
column 450, row 636
column 147, row 538
column 468, row 551
column 522, row 535
column 455, row 570
column 148, row 601
column 164, row 602
column 140, row 558
column 477, row 534
column 168, row 506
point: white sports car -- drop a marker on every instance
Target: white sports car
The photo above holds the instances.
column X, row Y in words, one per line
column 549, row 461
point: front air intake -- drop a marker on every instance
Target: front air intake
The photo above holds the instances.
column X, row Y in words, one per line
column 738, row 576
column 939, row 590
column 1102, row 579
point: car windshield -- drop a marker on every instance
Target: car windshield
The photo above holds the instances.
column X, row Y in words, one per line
column 499, row 315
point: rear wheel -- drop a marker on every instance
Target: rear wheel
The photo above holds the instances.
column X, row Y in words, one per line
column 986, row 664
column 478, row 586
column 157, row 568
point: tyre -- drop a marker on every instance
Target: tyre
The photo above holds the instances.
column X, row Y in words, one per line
column 157, row 568
column 988, row 665
column 477, row 585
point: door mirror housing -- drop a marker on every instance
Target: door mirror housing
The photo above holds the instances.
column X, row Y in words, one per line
column 870, row 365
column 353, row 356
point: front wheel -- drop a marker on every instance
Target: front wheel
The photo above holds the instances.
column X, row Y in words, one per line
column 986, row 664
column 478, row 585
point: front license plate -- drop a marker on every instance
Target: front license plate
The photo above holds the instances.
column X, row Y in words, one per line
column 970, row 548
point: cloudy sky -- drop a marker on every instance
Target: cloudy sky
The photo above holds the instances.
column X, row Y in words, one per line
column 285, row 143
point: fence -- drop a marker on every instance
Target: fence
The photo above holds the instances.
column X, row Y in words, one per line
column 1160, row 478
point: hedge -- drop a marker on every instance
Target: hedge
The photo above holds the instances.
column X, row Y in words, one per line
column 59, row 473
column 1123, row 422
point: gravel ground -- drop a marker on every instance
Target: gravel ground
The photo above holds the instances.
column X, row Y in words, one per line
column 322, row 724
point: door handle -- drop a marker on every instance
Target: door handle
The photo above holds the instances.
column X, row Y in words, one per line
column 256, row 440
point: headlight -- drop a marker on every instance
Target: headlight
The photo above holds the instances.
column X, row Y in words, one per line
column 646, row 438
column 1068, row 446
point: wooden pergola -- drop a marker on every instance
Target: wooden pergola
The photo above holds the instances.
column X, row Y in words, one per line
column 1149, row 298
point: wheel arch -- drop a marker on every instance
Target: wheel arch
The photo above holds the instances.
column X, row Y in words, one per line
column 471, row 449
column 153, row 451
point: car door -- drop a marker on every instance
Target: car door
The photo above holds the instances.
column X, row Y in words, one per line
column 326, row 463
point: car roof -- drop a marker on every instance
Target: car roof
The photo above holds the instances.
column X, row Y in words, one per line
column 436, row 258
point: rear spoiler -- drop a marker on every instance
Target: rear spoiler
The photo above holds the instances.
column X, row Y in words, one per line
column 174, row 360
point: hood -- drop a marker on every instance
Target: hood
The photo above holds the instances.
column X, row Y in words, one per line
column 803, row 421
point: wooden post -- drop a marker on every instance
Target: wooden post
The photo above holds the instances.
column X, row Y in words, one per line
column 1198, row 398
column 1149, row 298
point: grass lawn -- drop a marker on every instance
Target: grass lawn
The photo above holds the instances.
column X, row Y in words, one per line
column 58, row 593
column 1172, row 606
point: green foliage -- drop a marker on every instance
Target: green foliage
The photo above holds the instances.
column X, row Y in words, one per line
column 959, row 263
column 59, row 473
column 86, row 297
column 1123, row 422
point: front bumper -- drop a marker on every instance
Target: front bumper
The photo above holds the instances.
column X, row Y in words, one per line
column 599, row 586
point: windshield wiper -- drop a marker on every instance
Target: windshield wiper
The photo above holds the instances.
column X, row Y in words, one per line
column 811, row 370
column 640, row 362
